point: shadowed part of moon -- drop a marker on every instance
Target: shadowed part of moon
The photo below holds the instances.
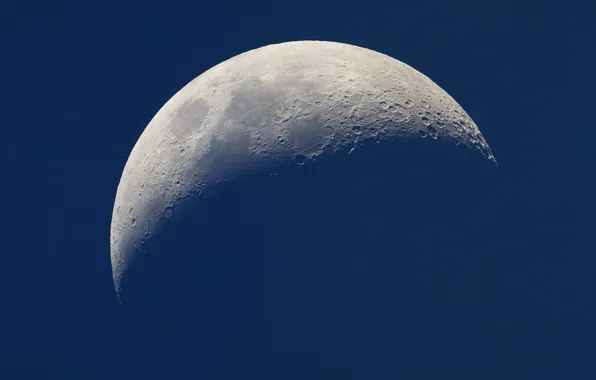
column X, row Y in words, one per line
column 306, row 209
column 324, row 265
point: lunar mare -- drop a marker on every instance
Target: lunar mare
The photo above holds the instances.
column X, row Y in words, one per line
column 285, row 104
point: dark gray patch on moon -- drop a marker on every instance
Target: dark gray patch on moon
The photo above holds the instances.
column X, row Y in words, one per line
column 189, row 117
column 309, row 135
column 250, row 102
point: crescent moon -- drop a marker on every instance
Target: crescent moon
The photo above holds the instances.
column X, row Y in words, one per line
column 284, row 104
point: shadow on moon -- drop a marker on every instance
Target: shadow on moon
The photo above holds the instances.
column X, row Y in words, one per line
column 355, row 266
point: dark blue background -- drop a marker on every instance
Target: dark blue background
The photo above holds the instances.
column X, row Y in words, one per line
column 80, row 81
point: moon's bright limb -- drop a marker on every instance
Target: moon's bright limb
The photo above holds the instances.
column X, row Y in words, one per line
column 288, row 103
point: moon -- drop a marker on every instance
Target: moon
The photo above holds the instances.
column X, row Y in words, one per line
column 288, row 105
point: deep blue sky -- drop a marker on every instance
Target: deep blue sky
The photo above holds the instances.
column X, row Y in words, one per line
column 84, row 78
